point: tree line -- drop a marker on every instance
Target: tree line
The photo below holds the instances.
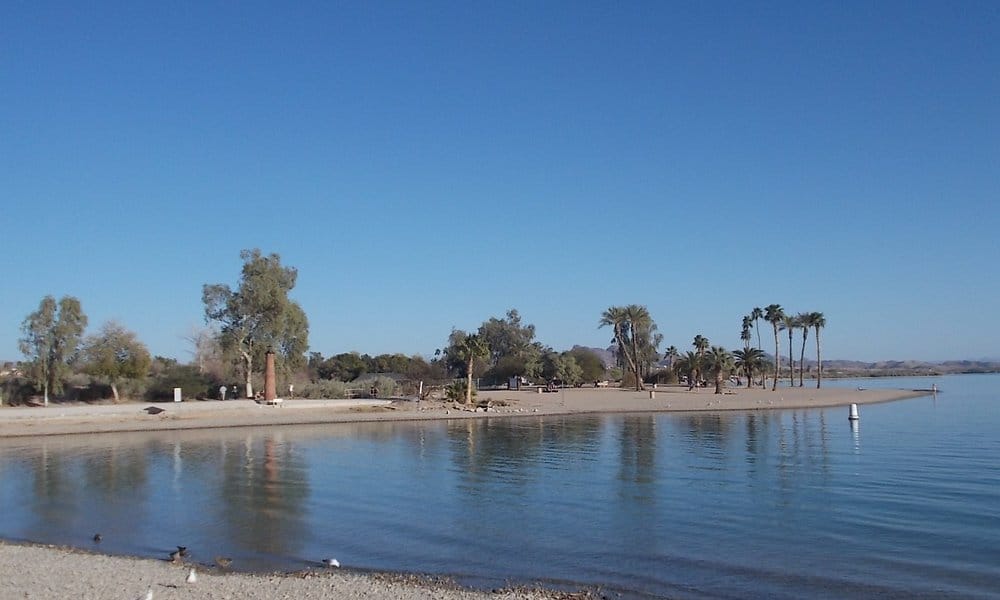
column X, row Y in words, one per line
column 258, row 316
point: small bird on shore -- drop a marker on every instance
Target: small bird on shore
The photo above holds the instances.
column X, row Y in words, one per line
column 175, row 556
column 192, row 576
column 331, row 562
column 97, row 538
column 183, row 550
column 223, row 561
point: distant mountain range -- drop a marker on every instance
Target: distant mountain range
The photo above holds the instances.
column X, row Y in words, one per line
column 855, row 368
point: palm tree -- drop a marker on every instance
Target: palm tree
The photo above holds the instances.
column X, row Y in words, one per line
column 719, row 362
column 469, row 349
column 690, row 364
column 774, row 315
column 700, row 344
column 749, row 360
column 671, row 355
column 789, row 323
column 757, row 314
column 635, row 334
column 745, row 336
column 818, row 321
column 804, row 321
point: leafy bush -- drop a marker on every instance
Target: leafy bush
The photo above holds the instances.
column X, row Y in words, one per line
column 194, row 384
column 456, row 391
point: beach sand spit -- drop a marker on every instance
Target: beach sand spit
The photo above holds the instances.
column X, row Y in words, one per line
column 60, row 419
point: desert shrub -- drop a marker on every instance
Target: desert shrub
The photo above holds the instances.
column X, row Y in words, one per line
column 456, row 391
column 386, row 386
column 324, row 388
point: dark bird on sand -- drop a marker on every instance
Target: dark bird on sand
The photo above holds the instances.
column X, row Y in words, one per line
column 98, row 537
column 154, row 410
column 175, row 556
column 183, row 550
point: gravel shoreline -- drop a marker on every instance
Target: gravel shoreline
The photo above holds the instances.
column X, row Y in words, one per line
column 55, row 573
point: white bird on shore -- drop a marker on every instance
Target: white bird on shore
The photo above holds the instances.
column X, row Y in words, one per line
column 331, row 562
column 192, row 576
column 148, row 596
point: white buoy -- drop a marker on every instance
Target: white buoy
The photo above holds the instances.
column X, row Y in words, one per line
column 854, row 413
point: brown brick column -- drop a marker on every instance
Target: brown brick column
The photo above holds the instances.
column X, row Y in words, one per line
column 269, row 389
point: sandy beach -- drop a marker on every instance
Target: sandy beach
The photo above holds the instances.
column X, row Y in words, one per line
column 38, row 572
column 59, row 419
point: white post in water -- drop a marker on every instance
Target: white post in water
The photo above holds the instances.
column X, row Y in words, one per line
column 854, row 413
column 652, row 394
column 177, row 394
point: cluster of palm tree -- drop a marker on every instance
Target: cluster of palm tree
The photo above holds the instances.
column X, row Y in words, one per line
column 751, row 360
column 714, row 361
column 635, row 338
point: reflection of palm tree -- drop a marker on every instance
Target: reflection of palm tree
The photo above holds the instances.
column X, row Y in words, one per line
column 719, row 362
column 775, row 315
column 638, row 451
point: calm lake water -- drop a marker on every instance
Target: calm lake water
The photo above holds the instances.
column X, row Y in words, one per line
column 782, row 504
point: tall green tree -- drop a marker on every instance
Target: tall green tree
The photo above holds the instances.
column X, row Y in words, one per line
column 720, row 364
column 259, row 315
column 115, row 354
column 51, row 338
column 467, row 349
column 591, row 365
column 818, row 321
column 775, row 315
column 513, row 349
column 635, row 334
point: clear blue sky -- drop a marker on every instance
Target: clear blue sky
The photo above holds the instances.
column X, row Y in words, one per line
column 429, row 165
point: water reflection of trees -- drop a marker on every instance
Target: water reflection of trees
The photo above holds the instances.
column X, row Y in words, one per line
column 120, row 471
column 53, row 488
column 512, row 449
column 262, row 495
column 637, row 458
